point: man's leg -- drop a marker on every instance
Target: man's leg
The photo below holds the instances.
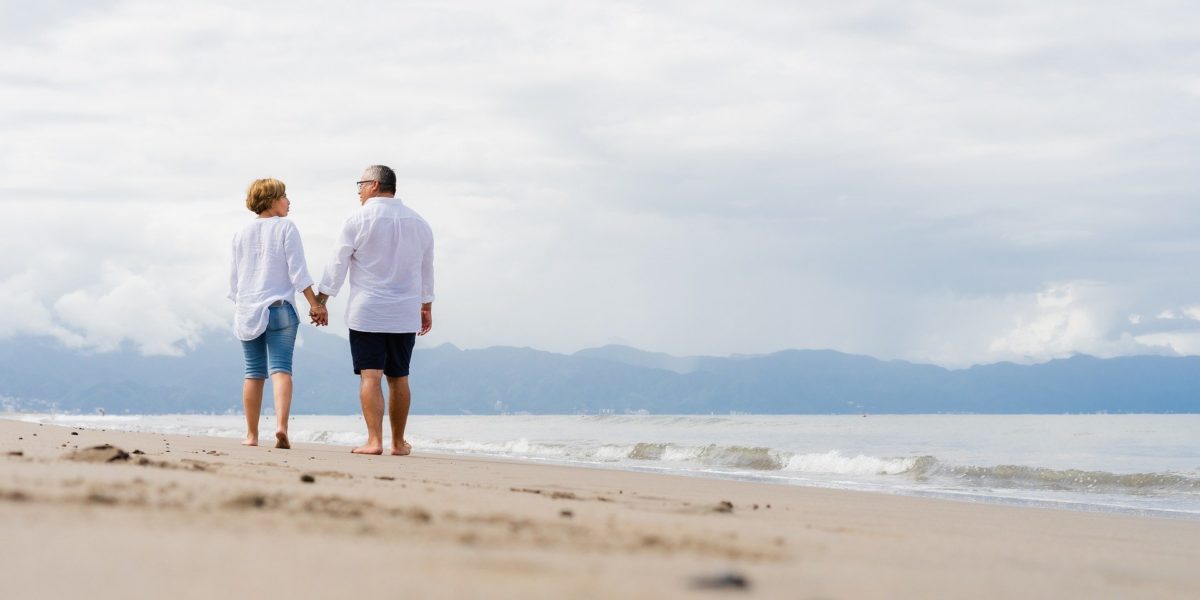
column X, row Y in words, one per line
column 371, row 393
column 252, row 393
column 399, row 401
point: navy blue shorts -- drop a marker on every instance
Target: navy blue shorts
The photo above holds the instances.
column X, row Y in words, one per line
column 390, row 352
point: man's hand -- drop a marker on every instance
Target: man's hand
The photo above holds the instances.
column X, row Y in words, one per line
column 426, row 318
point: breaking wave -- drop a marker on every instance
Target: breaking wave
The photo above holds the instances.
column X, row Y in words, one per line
column 767, row 461
column 1025, row 477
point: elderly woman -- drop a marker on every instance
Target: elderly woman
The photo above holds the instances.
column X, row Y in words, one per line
column 268, row 269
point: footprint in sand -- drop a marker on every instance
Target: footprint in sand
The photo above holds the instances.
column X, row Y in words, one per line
column 99, row 454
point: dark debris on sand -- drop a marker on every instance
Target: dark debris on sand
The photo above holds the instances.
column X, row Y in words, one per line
column 13, row 496
column 722, row 581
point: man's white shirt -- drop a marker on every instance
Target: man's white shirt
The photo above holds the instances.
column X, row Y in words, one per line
column 387, row 249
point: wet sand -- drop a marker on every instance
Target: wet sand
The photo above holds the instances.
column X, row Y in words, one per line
column 196, row 517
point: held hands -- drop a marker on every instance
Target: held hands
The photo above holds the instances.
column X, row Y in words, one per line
column 319, row 315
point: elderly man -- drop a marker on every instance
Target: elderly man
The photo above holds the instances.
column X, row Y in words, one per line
column 388, row 250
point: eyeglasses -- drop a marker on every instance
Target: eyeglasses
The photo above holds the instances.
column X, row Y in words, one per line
column 360, row 183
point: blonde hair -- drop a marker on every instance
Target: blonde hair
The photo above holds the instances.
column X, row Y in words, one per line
column 263, row 193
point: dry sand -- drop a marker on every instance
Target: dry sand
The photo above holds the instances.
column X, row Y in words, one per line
column 198, row 517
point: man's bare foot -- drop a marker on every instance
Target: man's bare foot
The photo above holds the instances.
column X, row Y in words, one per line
column 404, row 449
column 250, row 441
column 368, row 450
column 281, row 440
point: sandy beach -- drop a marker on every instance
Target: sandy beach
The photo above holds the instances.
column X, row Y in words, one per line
column 149, row 515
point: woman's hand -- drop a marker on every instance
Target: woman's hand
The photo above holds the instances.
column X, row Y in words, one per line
column 319, row 315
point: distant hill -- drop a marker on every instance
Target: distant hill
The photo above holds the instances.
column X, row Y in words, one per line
column 38, row 374
column 641, row 358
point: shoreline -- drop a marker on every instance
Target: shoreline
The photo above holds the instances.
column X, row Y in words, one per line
column 1092, row 501
column 196, row 516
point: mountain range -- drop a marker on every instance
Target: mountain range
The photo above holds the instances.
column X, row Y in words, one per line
column 38, row 374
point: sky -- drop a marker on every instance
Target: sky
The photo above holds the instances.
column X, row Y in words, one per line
column 953, row 183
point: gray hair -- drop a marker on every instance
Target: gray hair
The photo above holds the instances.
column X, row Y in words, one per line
column 384, row 175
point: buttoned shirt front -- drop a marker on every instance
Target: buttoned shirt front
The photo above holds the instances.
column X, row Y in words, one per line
column 268, row 265
column 387, row 249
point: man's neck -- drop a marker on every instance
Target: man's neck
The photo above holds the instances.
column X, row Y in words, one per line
column 365, row 200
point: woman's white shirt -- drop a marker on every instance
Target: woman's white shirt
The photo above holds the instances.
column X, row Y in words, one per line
column 268, row 265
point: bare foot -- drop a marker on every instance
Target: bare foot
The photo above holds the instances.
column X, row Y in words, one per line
column 250, row 441
column 404, row 449
column 368, row 450
column 281, row 440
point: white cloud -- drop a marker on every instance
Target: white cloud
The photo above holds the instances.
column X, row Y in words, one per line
column 129, row 306
column 1061, row 323
column 905, row 181
column 1185, row 343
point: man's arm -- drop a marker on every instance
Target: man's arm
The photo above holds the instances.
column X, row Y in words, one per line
column 427, row 285
column 339, row 263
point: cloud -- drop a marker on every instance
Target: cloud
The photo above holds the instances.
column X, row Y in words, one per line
column 1185, row 343
column 1064, row 320
column 939, row 182
column 129, row 306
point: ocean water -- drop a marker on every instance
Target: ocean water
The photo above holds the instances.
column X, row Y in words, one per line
column 1148, row 464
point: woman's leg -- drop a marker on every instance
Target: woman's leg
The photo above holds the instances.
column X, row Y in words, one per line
column 252, row 393
column 281, row 384
column 281, row 341
column 255, row 353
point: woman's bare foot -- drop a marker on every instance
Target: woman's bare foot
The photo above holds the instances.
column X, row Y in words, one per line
column 251, row 440
column 281, row 440
column 404, row 449
column 368, row 450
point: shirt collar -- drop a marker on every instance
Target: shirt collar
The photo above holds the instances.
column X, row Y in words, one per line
column 382, row 199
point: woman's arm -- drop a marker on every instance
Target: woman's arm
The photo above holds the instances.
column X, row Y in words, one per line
column 316, row 310
column 233, row 274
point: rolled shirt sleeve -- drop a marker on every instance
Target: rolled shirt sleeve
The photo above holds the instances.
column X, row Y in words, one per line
column 339, row 263
column 293, row 250
column 427, row 270
column 233, row 270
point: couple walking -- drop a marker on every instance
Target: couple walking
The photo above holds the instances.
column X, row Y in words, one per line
column 386, row 248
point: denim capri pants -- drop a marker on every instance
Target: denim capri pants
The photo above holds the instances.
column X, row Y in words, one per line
column 272, row 351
